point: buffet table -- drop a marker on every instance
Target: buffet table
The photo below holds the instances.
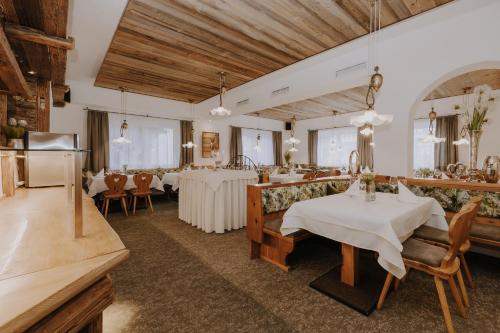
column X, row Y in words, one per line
column 50, row 281
column 214, row 200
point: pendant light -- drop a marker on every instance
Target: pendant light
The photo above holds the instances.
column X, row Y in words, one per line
column 257, row 147
column 334, row 147
column 431, row 137
column 190, row 144
column 122, row 139
column 370, row 117
column 463, row 141
column 292, row 140
column 221, row 111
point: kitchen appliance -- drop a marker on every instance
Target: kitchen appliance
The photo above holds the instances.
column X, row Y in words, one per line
column 47, row 158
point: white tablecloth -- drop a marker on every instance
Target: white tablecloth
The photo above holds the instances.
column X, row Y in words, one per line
column 285, row 178
column 214, row 200
column 97, row 184
column 172, row 179
column 381, row 225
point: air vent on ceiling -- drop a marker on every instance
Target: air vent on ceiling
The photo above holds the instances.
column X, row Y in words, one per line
column 280, row 91
column 242, row 102
column 351, row 70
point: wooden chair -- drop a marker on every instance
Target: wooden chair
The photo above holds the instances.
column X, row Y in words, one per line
column 310, row 176
column 440, row 238
column 116, row 185
column 142, row 189
column 335, row 172
column 442, row 264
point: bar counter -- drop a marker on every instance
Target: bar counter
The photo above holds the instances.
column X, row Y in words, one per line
column 50, row 281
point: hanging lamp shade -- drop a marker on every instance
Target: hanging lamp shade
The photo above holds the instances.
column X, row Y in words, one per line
column 220, row 110
column 431, row 137
column 122, row 139
column 292, row 140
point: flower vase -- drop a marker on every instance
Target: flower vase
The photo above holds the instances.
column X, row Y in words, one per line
column 370, row 191
column 475, row 137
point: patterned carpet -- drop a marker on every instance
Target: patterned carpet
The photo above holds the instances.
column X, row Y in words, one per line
column 180, row 279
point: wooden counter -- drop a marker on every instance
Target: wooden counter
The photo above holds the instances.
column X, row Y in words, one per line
column 43, row 268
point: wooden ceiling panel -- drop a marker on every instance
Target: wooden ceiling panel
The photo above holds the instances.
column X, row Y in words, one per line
column 193, row 40
column 456, row 85
column 351, row 100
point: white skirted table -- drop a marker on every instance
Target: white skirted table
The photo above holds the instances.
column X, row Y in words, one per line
column 214, row 200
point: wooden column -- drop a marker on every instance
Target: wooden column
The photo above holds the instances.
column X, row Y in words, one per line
column 43, row 105
column 3, row 118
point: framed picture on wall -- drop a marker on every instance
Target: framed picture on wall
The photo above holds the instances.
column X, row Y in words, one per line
column 209, row 144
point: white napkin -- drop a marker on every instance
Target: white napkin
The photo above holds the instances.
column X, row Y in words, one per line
column 405, row 195
column 444, row 176
column 275, row 172
column 293, row 173
column 353, row 189
column 100, row 173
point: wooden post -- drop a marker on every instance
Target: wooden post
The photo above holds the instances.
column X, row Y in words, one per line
column 8, row 160
column 78, row 194
column 349, row 271
column 43, row 105
column 3, row 118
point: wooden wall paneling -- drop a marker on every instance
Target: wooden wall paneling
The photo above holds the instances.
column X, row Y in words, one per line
column 246, row 39
column 3, row 118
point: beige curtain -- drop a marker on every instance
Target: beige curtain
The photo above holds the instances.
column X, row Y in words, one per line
column 446, row 152
column 312, row 146
column 235, row 146
column 277, row 148
column 187, row 156
column 365, row 150
column 97, row 141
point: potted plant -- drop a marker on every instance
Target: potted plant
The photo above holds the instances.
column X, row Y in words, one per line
column 288, row 157
column 14, row 131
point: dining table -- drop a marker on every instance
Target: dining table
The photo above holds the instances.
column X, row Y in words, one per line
column 172, row 179
column 381, row 225
column 215, row 200
column 97, row 185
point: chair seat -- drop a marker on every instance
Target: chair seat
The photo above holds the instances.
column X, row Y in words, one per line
column 134, row 192
column 428, row 254
column 432, row 234
column 485, row 231
column 114, row 196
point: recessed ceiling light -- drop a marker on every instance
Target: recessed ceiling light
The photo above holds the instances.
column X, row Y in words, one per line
column 31, row 72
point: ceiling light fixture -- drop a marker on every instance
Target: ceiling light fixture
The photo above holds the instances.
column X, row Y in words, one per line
column 190, row 144
column 221, row 111
column 292, row 140
column 257, row 147
column 31, row 72
column 122, row 139
column 431, row 137
column 370, row 116
column 463, row 141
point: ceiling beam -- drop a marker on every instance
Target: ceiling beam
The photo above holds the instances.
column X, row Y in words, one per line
column 37, row 36
column 10, row 73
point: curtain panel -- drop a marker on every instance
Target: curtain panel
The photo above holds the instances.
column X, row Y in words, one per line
column 365, row 150
column 446, row 152
column 97, row 141
column 312, row 147
column 277, row 148
column 187, row 154
column 235, row 145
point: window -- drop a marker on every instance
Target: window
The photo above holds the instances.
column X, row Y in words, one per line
column 423, row 153
column 249, row 139
column 335, row 145
column 155, row 143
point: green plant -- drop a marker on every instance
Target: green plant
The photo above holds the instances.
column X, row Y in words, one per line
column 288, row 157
column 13, row 132
column 475, row 118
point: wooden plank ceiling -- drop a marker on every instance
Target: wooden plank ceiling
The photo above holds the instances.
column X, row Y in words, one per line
column 350, row 100
column 456, row 85
column 32, row 28
column 175, row 48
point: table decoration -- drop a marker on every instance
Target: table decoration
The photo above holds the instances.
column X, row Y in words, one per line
column 368, row 178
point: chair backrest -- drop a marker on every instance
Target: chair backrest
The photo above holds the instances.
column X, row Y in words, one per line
column 310, row 175
column 458, row 232
column 143, row 181
column 115, row 183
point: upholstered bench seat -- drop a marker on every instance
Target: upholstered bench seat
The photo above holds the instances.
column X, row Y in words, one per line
column 423, row 252
column 485, row 231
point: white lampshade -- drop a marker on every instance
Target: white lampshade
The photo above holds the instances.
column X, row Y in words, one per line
column 431, row 138
column 293, row 150
column 292, row 140
column 189, row 145
column 371, row 117
column 220, row 111
column 461, row 142
column 122, row 140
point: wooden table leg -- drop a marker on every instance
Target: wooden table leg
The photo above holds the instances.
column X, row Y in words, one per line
column 349, row 270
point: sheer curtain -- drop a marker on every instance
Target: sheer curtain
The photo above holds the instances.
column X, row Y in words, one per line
column 335, row 145
column 155, row 143
column 423, row 153
column 249, row 140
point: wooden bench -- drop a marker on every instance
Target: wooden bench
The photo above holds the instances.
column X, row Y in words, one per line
column 263, row 226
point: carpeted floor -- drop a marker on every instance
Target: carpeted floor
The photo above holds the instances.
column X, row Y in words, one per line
column 180, row 279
